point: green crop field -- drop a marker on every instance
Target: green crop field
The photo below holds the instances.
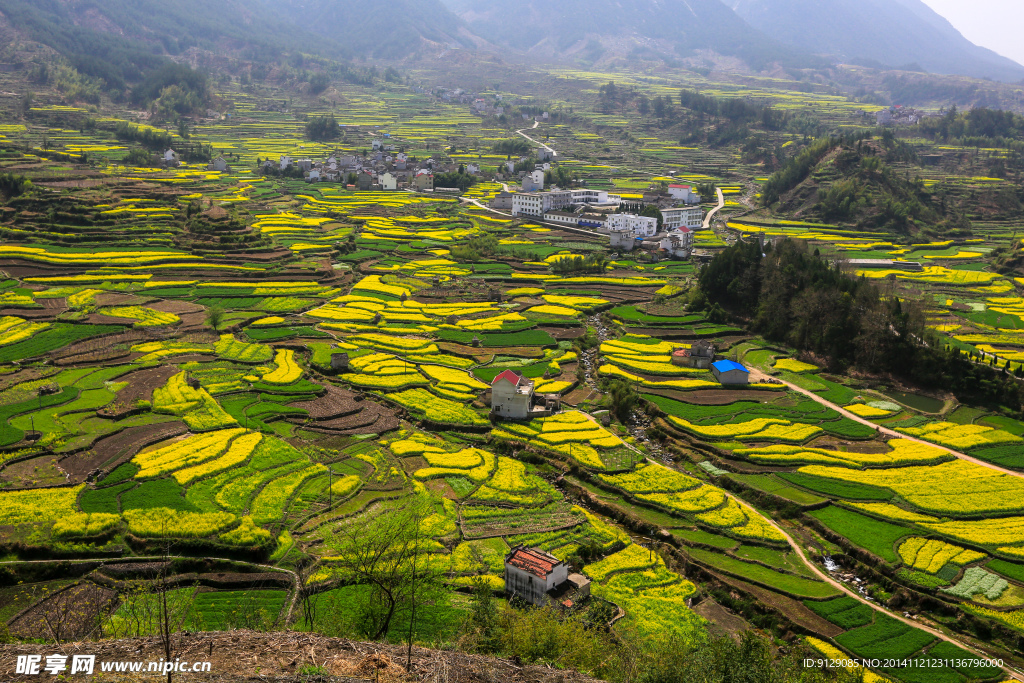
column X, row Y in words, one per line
column 871, row 534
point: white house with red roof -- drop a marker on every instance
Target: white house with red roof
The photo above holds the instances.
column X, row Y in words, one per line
column 511, row 396
column 684, row 193
column 537, row 576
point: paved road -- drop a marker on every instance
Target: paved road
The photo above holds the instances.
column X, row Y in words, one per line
column 536, row 142
column 712, row 212
column 484, row 206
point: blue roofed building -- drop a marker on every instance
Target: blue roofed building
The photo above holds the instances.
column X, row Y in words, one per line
column 730, row 372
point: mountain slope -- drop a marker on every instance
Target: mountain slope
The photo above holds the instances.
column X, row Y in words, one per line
column 572, row 27
column 893, row 33
column 120, row 40
column 393, row 29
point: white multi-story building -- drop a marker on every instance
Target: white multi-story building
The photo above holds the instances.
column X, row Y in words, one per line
column 691, row 217
column 560, row 200
column 639, row 226
column 530, row 204
column 511, row 395
column 585, row 196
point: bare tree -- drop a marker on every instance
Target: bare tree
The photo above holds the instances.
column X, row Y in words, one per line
column 382, row 550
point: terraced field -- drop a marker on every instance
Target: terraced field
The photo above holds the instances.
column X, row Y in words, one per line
column 245, row 365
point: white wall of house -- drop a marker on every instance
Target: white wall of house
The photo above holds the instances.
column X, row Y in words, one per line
column 584, row 196
column 530, row 204
column 683, row 193
column 691, row 217
column 640, row 226
column 533, row 181
column 509, row 400
column 561, row 217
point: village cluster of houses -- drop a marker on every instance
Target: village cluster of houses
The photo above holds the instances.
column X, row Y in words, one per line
column 383, row 168
column 485, row 106
column 900, row 116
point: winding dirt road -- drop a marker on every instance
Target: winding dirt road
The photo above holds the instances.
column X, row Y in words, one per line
column 712, row 212
column 824, row 576
column 760, row 374
column 536, row 142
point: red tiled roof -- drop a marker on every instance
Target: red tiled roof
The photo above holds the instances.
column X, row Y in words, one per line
column 508, row 375
column 532, row 562
column 688, row 187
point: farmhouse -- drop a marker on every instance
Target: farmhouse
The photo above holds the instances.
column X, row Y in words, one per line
column 678, row 243
column 537, row 577
column 622, row 239
column 424, row 180
column 700, row 355
column 364, row 181
column 563, row 217
column 533, row 181
column 502, row 200
column 511, row 396
column 388, row 182
column 729, row 372
column 684, row 193
column 168, row 159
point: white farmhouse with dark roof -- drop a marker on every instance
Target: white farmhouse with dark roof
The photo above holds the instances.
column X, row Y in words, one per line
column 537, row 577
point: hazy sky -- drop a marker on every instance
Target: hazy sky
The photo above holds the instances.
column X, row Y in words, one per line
column 995, row 24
